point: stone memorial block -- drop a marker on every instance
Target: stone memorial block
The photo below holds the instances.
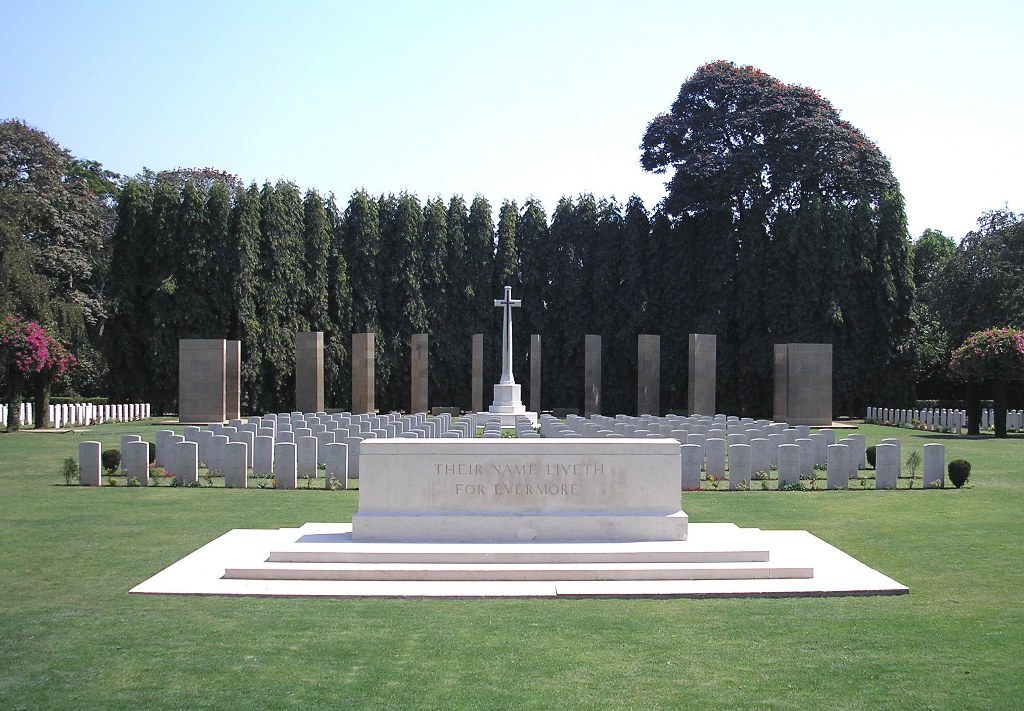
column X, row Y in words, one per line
column 263, row 455
column 789, row 435
column 774, row 441
column 474, row 490
column 201, row 380
column 934, row 465
column 337, row 465
column 829, row 435
column 125, row 439
column 700, row 397
column 285, row 436
column 420, row 375
column 162, row 455
column 739, row 466
column 535, row 372
column 285, row 470
column 859, row 449
column 789, row 464
column 135, row 461
column 306, row 457
column 591, row 375
column 692, row 458
column 236, row 456
column 760, row 455
column 887, row 466
column 309, row 371
column 803, row 383
column 186, row 458
column 249, row 439
column 89, row 464
column 714, row 457
column 838, row 467
column 232, row 379
column 851, row 460
column 820, row 444
column 190, row 433
column 648, row 374
column 363, row 359
column 477, row 404
column 698, row 439
column 806, row 446
column 736, row 438
column 322, row 440
column 215, row 452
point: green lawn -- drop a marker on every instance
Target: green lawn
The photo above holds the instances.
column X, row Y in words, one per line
column 71, row 636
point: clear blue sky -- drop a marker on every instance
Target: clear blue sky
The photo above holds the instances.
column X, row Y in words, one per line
column 508, row 99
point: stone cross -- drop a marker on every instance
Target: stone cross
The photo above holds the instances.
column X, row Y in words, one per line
column 508, row 303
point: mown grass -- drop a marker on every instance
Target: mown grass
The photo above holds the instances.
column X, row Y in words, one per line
column 71, row 637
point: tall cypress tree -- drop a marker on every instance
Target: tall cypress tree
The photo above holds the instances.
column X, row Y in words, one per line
column 248, row 303
column 222, row 262
column 455, row 333
column 283, row 283
column 132, row 259
column 437, row 296
column 337, row 367
column 480, row 265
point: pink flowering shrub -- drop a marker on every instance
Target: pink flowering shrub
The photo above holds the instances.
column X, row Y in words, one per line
column 29, row 350
column 30, row 356
column 990, row 354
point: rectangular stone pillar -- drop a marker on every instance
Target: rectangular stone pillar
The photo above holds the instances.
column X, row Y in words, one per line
column 648, row 374
column 478, row 372
column 420, row 374
column 362, row 373
column 803, row 383
column 700, row 392
column 535, row 372
column 592, row 376
column 232, row 380
column 309, row 371
column 201, row 380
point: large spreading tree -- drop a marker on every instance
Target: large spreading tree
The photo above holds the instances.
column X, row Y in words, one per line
column 787, row 226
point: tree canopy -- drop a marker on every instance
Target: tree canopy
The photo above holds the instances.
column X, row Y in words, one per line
column 787, row 225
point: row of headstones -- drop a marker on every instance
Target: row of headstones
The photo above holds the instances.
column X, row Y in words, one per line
column 286, row 446
column 743, row 446
column 522, row 426
column 937, row 419
column 934, row 419
column 82, row 414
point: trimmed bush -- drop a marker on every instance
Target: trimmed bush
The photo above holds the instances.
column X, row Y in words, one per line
column 152, row 452
column 871, row 456
column 959, row 471
column 111, row 459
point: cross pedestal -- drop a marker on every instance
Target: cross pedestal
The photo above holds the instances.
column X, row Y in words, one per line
column 508, row 396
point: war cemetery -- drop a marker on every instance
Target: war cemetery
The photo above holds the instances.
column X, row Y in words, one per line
column 755, row 448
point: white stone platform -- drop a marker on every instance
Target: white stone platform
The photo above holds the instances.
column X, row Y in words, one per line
column 717, row 560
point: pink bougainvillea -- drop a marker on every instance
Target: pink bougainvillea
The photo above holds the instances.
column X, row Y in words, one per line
column 992, row 353
column 27, row 347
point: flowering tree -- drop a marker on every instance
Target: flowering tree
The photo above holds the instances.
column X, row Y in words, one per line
column 996, row 356
column 30, row 357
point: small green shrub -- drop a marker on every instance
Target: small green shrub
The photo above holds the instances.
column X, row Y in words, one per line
column 70, row 470
column 111, row 459
column 871, row 456
column 959, row 471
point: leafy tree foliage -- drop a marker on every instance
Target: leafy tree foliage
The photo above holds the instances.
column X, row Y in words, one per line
column 56, row 220
column 766, row 179
column 931, row 250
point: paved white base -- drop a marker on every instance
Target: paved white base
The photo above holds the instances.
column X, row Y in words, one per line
column 717, row 560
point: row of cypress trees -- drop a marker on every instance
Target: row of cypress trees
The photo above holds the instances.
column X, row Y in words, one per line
column 201, row 258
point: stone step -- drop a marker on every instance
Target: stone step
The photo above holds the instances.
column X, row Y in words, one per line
column 516, row 572
column 512, row 554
